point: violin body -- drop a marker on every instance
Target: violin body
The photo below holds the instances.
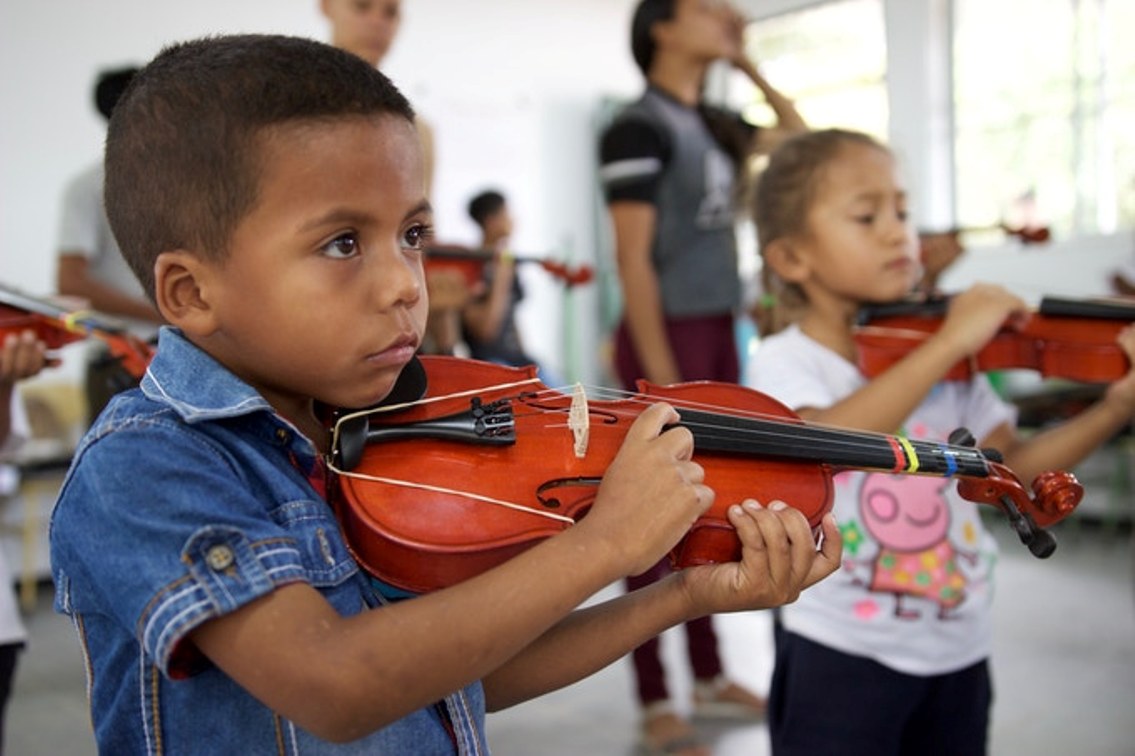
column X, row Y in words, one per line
column 1060, row 340
column 489, row 462
column 422, row 540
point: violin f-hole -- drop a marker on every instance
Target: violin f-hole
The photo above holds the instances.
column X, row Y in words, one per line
column 553, row 502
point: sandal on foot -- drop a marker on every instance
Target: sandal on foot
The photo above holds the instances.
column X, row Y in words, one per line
column 664, row 733
column 723, row 699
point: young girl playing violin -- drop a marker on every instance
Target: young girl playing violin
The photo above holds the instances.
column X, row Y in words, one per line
column 269, row 194
column 890, row 655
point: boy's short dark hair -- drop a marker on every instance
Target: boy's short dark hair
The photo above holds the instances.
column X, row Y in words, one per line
column 484, row 205
column 182, row 158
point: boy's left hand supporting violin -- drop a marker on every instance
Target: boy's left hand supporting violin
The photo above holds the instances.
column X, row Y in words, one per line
column 779, row 560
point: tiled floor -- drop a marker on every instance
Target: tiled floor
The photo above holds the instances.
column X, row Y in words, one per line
column 1064, row 671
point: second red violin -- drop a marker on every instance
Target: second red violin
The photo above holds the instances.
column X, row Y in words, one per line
column 1065, row 338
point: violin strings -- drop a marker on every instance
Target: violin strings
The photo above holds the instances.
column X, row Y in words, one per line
column 778, row 428
column 908, row 456
column 852, row 438
column 450, row 491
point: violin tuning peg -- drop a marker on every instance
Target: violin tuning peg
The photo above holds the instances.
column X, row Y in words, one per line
column 962, row 437
column 1042, row 544
column 993, row 455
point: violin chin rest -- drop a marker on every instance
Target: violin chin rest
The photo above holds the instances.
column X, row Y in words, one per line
column 410, row 386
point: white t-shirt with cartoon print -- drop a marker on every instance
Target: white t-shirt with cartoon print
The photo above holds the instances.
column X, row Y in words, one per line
column 915, row 586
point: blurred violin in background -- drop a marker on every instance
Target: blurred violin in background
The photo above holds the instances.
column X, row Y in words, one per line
column 56, row 326
column 1025, row 234
column 471, row 263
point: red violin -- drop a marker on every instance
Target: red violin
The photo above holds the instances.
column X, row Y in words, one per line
column 1064, row 338
column 437, row 486
column 1024, row 234
column 471, row 263
column 57, row 326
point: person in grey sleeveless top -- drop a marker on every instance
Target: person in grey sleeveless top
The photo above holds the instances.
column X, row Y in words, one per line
column 669, row 167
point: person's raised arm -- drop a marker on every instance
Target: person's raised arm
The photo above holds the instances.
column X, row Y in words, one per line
column 788, row 118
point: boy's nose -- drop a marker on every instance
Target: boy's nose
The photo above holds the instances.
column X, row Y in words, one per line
column 397, row 279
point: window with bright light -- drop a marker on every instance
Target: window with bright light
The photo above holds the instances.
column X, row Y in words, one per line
column 830, row 59
column 1044, row 97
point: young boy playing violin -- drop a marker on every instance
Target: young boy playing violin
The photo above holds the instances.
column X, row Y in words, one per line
column 269, row 194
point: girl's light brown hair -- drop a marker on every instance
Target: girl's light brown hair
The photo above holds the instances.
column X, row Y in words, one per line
column 783, row 198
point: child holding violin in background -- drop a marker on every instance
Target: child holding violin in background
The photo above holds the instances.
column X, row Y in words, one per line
column 269, row 193
column 489, row 319
column 890, row 656
column 22, row 356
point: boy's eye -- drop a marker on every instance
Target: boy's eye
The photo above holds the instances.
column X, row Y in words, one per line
column 866, row 220
column 418, row 236
column 342, row 247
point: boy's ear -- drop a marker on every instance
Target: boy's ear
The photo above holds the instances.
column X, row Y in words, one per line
column 181, row 292
column 782, row 256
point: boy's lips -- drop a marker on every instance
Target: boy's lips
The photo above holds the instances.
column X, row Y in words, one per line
column 398, row 352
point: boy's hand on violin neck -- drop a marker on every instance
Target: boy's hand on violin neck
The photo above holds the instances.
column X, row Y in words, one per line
column 779, row 559
column 651, row 494
column 976, row 315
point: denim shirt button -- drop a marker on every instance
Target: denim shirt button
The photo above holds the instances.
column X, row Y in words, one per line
column 219, row 558
column 283, row 436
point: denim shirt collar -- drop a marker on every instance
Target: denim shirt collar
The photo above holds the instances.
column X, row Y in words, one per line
column 197, row 387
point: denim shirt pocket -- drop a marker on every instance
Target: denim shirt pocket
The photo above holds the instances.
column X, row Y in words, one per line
column 328, row 563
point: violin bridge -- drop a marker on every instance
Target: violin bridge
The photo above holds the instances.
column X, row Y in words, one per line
column 579, row 420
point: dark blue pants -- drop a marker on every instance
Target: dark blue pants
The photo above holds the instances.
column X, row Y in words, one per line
column 823, row 701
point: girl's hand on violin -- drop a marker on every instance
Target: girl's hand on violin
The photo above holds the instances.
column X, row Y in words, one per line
column 22, row 356
column 976, row 315
column 779, row 559
column 652, row 491
column 1122, row 391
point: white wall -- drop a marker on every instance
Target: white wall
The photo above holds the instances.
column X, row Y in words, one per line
column 510, row 87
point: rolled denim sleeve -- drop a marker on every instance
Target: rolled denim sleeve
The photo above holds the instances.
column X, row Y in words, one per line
column 169, row 533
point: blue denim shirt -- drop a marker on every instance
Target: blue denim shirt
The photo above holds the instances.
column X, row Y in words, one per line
column 186, row 500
